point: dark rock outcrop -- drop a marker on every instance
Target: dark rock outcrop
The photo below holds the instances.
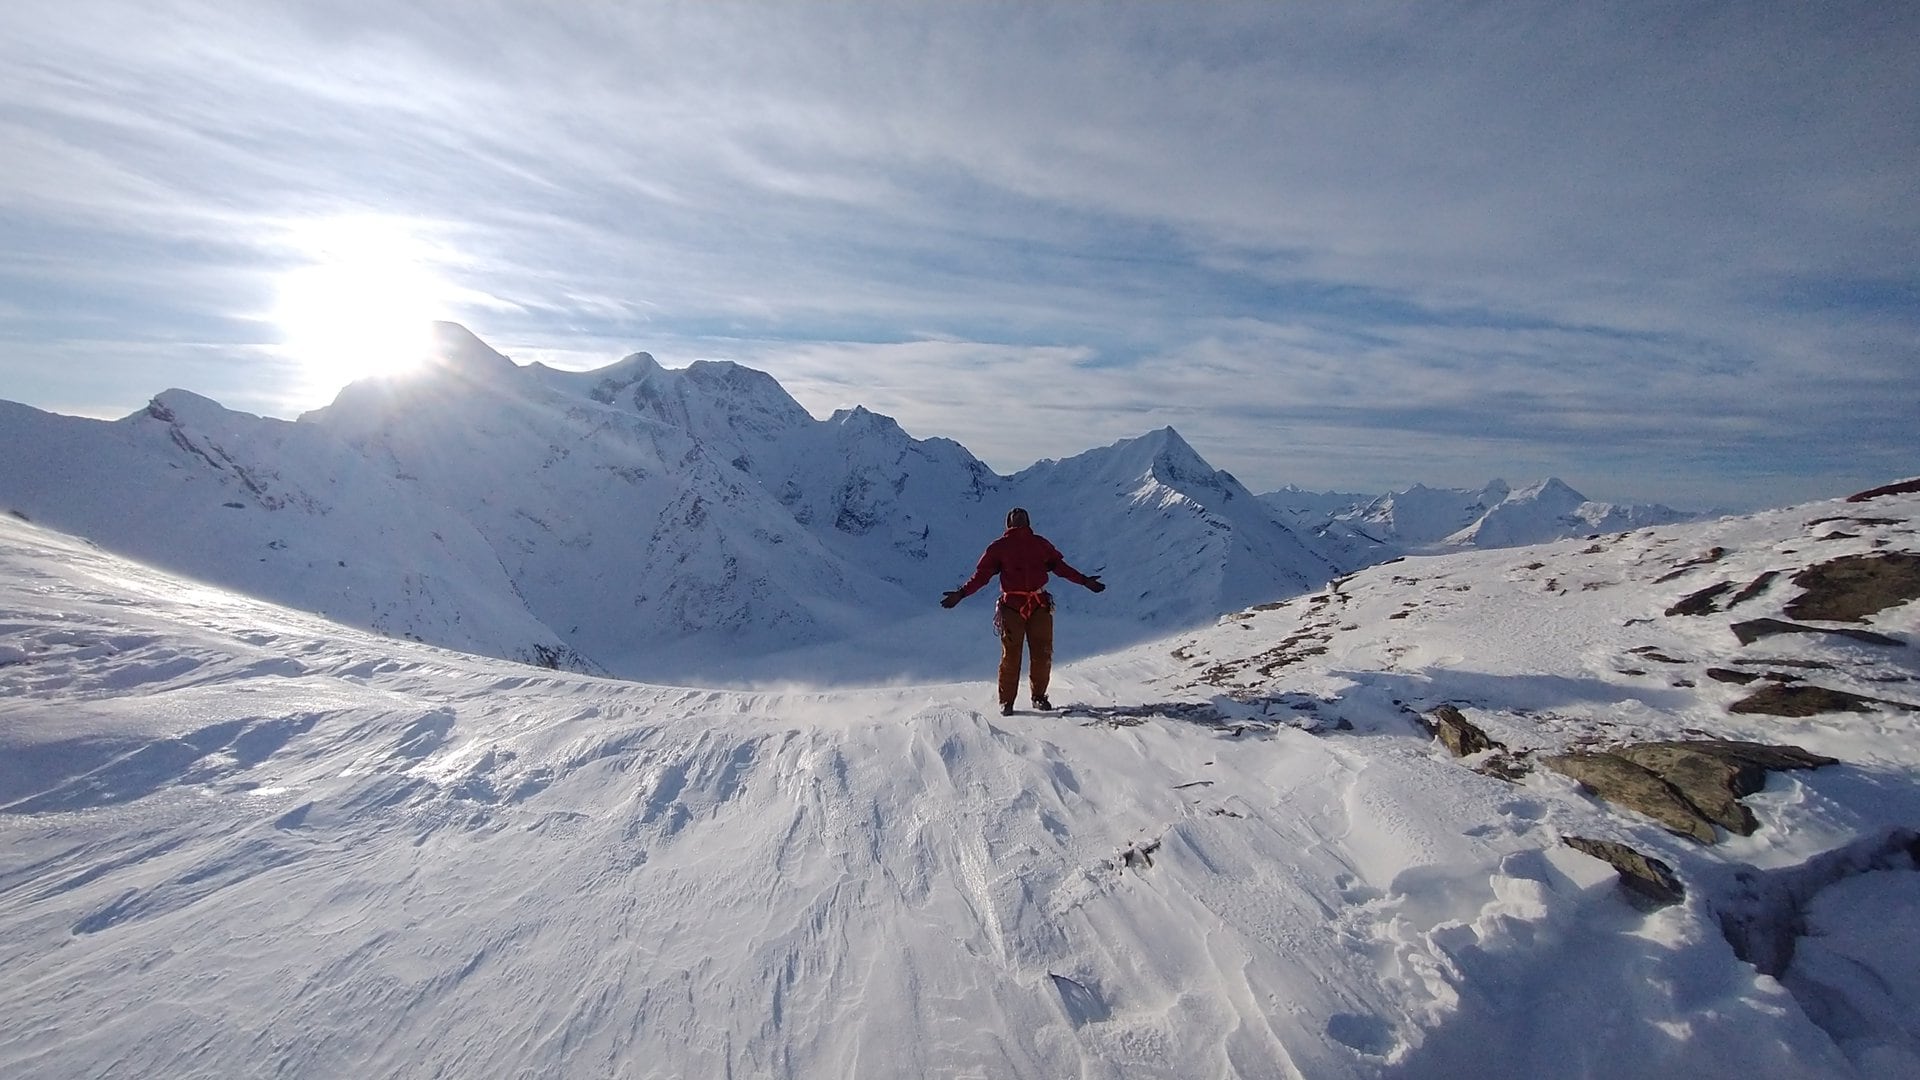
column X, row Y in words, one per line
column 1460, row 735
column 1702, row 602
column 1755, row 629
column 1754, row 588
column 1852, row 587
column 1626, row 783
column 1715, row 775
column 1643, row 875
column 1805, row 699
column 1904, row 487
column 1688, row 787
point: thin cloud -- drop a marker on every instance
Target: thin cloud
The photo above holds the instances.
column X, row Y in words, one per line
column 1491, row 232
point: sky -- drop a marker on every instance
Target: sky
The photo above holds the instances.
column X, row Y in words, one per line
column 1667, row 252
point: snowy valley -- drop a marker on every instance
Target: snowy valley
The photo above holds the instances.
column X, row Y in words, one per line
column 242, row 840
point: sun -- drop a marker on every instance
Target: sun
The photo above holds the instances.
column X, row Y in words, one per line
column 363, row 305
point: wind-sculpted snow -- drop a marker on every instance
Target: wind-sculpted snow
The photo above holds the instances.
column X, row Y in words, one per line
column 237, row 840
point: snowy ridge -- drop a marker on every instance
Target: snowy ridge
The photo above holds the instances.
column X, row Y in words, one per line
column 636, row 520
column 266, row 845
column 272, row 509
column 1359, row 530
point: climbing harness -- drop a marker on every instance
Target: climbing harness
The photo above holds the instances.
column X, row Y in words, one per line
column 1025, row 602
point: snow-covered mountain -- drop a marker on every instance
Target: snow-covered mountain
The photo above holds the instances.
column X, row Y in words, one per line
column 1360, row 530
column 239, row 840
column 636, row 519
column 1188, row 541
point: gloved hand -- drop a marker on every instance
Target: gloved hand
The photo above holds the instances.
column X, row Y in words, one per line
column 950, row 598
column 1094, row 583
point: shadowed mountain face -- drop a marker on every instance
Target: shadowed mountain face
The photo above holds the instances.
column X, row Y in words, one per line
column 635, row 520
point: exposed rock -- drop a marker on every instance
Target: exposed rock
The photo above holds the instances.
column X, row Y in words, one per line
column 1139, row 854
column 1742, row 678
column 1702, row 602
column 1618, row 780
column 1852, row 587
column 1689, row 787
column 1706, row 558
column 1643, row 875
column 1653, row 653
column 1460, row 735
column 1784, row 661
column 1714, row 775
column 1754, row 588
column 1504, row 766
column 1754, row 629
column 1804, row 699
column 1856, row 520
column 1904, row 487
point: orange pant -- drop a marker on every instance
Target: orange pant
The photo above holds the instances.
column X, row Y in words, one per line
column 1036, row 631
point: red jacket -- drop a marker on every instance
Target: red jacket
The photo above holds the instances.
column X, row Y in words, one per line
column 1023, row 559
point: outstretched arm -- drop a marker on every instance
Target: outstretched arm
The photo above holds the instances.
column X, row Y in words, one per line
column 983, row 573
column 1059, row 566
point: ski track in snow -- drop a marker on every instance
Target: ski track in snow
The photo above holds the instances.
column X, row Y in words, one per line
column 242, row 841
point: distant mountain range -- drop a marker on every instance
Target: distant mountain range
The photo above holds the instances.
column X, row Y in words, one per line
column 637, row 520
column 1364, row 529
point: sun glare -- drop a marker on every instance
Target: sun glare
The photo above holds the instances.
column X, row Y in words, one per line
column 363, row 306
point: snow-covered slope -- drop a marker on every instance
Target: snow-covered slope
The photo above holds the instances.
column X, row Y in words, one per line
column 1551, row 510
column 237, row 840
column 1422, row 515
column 272, row 509
column 1360, row 530
column 635, row 519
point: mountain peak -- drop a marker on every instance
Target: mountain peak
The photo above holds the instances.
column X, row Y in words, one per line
column 862, row 419
column 1552, row 493
column 460, row 349
column 1160, row 456
column 176, row 406
column 634, row 363
column 167, row 405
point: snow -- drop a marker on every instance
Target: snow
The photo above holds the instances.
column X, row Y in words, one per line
column 1860, row 964
column 243, row 840
column 639, row 521
column 1360, row 530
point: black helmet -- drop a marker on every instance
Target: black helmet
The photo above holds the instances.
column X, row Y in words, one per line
column 1017, row 519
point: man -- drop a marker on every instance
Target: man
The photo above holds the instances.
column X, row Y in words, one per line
column 1022, row 558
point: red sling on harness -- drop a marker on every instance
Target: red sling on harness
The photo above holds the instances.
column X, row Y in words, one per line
column 1024, row 601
